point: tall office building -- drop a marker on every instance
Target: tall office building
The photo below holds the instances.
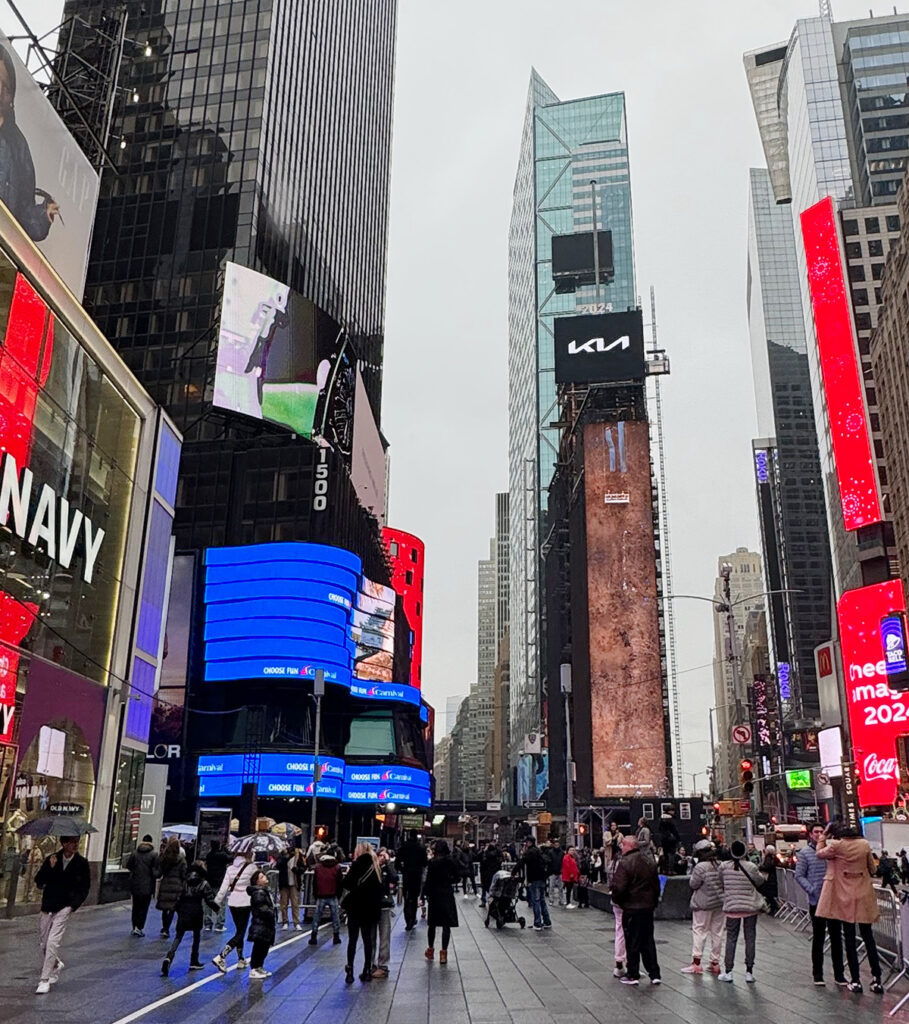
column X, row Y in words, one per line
column 260, row 134
column 796, row 550
column 831, row 109
column 573, row 154
column 745, row 595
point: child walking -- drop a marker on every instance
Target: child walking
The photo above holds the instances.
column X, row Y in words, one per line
column 262, row 924
column 196, row 891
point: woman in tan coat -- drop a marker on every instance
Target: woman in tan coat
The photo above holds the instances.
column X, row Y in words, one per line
column 847, row 895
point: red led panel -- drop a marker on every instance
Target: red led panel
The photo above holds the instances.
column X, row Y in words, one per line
column 845, row 396
column 407, row 580
column 877, row 715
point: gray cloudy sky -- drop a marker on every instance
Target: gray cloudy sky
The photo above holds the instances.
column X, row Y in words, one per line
column 462, row 77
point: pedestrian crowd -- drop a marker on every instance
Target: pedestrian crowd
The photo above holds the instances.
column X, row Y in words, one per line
column 730, row 888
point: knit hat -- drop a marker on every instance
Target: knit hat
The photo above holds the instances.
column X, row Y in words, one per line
column 702, row 844
column 737, row 849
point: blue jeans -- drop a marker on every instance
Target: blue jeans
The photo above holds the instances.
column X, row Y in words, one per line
column 218, row 918
column 536, row 892
column 332, row 903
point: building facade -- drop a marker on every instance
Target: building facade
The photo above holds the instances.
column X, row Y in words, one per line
column 795, row 543
column 742, row 569
column 573, row 155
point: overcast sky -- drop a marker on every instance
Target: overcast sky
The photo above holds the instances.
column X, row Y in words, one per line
column 462, row 78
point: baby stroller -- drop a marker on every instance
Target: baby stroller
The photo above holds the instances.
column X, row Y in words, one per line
column 503, row 898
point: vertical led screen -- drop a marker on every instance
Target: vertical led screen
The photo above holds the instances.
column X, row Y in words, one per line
column 407, row 559
column 877, row 714
column 626, row 691
column 843, row 390
column 373, row 632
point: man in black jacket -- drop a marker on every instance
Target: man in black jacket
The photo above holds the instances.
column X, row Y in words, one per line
column 636, row 889
column 65, row 879
column 535, row 867
column 217, row 861
column 411, row 861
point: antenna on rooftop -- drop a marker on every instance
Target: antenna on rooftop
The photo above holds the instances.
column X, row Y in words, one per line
column 826, row 9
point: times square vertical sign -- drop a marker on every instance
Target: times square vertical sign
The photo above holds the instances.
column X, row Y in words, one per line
column 878, row 715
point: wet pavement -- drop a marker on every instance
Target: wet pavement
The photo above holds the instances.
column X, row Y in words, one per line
column 563, row 975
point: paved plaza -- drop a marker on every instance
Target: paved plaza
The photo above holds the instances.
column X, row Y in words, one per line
column 525, row 977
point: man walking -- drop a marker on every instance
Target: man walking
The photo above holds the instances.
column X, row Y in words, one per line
column 556, row 888
column 65, row 880
column 327, row 888
column 809, row 873
column 217, row 861
column 535, row 867
column 142, row 864
column 411, row 862
column 636, row 889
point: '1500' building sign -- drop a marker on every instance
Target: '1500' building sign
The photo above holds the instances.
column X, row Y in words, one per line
column 49, row 521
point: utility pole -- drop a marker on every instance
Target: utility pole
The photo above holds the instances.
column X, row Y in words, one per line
column 565, row 679
column 318, row 692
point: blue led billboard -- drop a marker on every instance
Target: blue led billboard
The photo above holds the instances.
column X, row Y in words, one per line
column 386, row 775
column 406, row 795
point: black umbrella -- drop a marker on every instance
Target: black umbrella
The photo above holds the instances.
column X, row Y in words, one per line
column 56, row 825
column 259, row 842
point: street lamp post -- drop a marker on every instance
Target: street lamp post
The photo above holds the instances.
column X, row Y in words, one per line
column 318, row 692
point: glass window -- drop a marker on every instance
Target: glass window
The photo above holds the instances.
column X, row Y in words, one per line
column 371, row 735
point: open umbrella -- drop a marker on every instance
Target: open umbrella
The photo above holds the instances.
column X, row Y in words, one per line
column 56, row 825
column 259, row 843
column 287, row 830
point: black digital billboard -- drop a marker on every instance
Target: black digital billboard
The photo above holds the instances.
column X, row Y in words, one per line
column 573, row 261
column 599, row 349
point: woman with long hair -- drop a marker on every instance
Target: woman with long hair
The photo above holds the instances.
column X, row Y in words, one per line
column 171, row 869
column 362, row 901
column 847, row 895
column 234, row 889
column 442, row 875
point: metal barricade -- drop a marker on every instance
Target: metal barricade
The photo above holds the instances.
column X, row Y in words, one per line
column 904, row 947
column 794, row 907
column 887, row 931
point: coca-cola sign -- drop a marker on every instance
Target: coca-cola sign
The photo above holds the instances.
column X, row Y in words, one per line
column 874, row 767
column 877, row 714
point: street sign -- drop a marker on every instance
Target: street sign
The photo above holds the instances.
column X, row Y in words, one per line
column 823, row 778
column 544, row 818
column 726, row 807
column 744, row 806
column 741, row 734
column 534, row 804
column 493, row 805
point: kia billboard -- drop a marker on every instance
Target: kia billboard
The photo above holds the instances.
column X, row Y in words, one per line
column 281, row 359
column 626, row 674
column 47, row 183
column 878, row 715
column 604, row 348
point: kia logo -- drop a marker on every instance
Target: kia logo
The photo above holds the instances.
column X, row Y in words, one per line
column 880, row 768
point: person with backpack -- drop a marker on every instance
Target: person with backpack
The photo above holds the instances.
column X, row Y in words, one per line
column 142, row 866
column 196, row 891
column 171, row 869
column 262, row 924
column 234, row 891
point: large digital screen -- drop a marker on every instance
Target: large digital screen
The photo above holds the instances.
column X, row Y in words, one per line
column 373, row 632
column 877, row 714
column 48, row 184
column 367, row 463
column 386, row 775
column 843, row 389
column 599, row 349
column 626, row 674
column 386, row 794
column 280, row 358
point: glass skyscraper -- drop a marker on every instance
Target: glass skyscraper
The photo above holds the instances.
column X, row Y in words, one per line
column 251, row 131
column 787, row 466
column 571, row 152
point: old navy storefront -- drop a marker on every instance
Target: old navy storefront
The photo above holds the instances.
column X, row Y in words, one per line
column 87, row 484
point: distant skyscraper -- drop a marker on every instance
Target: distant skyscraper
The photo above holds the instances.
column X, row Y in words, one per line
column 745, row 593
column 565, row 147
column 790, row 490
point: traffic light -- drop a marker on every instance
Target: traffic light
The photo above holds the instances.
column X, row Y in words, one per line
column 716, row 808
column 582, row 830
column 705, row 831
column 321, row 832
column 746, row 775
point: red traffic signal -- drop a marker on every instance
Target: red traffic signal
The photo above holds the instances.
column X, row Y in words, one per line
column 716, row 807
column 746, row 765
column 746, row 776
column 582, row 829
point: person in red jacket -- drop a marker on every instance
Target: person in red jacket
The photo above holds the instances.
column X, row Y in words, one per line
column 327, row 889
column 570, row 876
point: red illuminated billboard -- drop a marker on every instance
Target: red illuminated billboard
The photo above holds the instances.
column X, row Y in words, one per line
column 843, row 390
column 407, row 556
column 626, row 674
column 877, row 714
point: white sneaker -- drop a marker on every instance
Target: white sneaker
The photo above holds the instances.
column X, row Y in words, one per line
column 749, row 977
column 43, row 988
column 284, row 926
column 220, row 963
column 656, row 981
column 259, row 972
column 618, row 972
column 298, row 928
column 725, row 976
column 242, row 963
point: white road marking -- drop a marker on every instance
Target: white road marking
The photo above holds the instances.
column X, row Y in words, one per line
column 142, row 1011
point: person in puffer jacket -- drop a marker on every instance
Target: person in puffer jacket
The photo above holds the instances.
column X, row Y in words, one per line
column 809, row 873
column 196, row 891
column 233, row 889
column 707, row 918
column 262, row 928
column 742, row 902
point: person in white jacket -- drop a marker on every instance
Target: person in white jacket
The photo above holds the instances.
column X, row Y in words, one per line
column 233, row 889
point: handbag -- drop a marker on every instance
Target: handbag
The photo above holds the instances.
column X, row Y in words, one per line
column 765, row 906
column 344, row 901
